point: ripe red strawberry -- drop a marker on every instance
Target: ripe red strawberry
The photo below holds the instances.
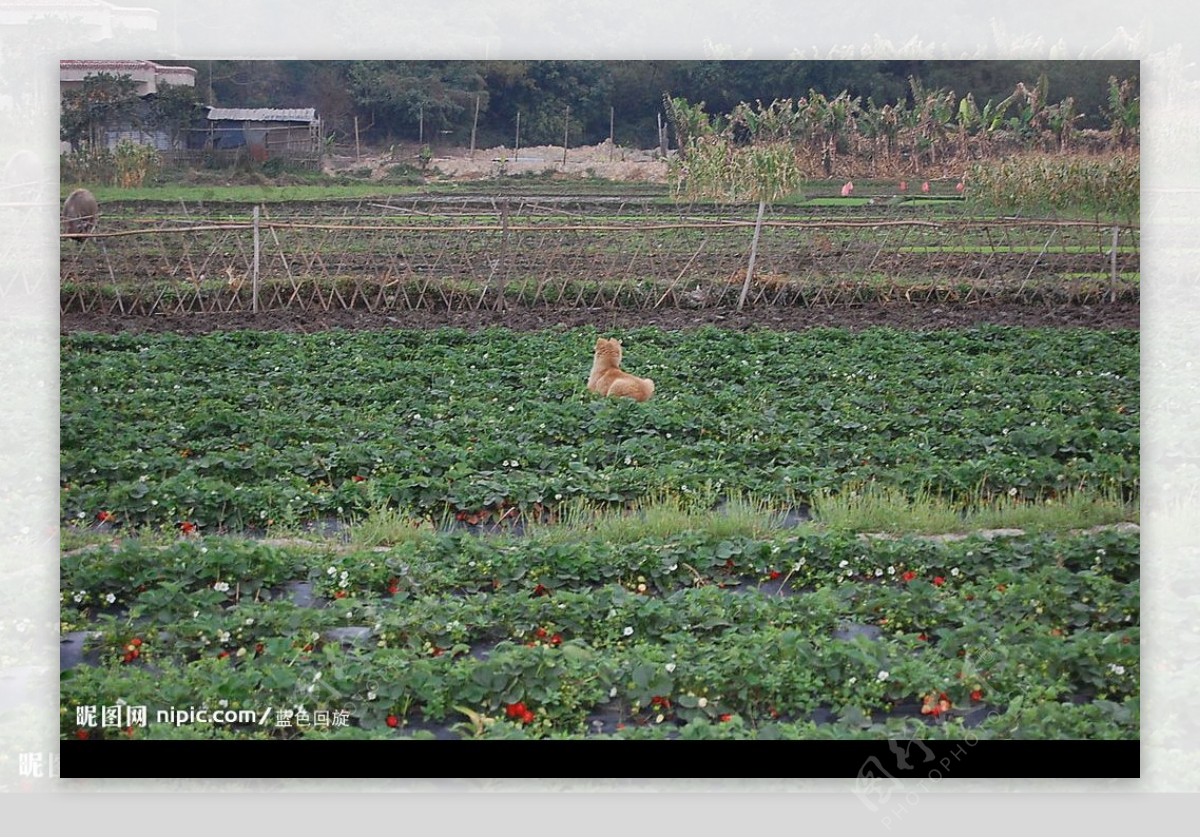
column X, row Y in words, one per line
column 516, row 710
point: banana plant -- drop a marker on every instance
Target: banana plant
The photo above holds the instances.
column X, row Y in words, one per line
column 817, row 110
column 934, row 115
column 1123, row 111
column 1062, row 120
column 992, row 115
column 881, row 125
column 969, row 123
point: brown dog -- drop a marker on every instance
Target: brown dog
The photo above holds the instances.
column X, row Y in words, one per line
column 608, row 379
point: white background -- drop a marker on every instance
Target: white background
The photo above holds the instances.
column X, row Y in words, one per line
column 1163, row 35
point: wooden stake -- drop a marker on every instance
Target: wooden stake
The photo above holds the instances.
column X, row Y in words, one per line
column 611, row 121
column 357, row 150
column 502, row 259
column 566, row 133
column 517, row 144
column 762, row 206
column 1116, row 232
column 254, row 273
column 474, row 125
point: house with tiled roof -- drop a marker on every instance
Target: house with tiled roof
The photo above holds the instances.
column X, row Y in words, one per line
column 147, row 75
column 260, row 133
column 149, row 79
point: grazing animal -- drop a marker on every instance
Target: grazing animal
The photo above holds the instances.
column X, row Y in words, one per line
column 608, row 379
column 847, row 189
column 80, row 214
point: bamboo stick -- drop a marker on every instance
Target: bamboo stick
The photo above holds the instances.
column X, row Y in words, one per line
column 762, row 207
column 254, row 274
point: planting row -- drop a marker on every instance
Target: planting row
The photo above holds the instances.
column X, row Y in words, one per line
column 241, row 430
column 599, row 259
column 796, row 633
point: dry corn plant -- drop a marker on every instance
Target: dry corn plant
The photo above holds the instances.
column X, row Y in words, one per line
column 724, row 168
column 1105, row 186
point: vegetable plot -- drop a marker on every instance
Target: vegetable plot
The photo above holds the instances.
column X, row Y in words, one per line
column 243, row 430
column 411, row 443
column 799, row 634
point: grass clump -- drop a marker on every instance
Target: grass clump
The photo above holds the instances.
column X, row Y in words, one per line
column 659, row 516
column 385, row 526
column 874, row 508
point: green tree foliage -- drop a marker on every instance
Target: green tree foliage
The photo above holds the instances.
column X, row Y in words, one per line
column 399, row 96
column 101, row 101
column 107, row 101
column 176, row 109
column 945, row 102
column 542, row 91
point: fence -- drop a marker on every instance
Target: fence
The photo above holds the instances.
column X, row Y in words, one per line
column 469, row 254
column 230, row 158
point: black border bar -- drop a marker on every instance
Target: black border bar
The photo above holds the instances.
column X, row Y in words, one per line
column 876, row 763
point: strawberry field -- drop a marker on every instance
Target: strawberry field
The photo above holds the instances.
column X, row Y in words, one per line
column 442, row 534
column 238, row 430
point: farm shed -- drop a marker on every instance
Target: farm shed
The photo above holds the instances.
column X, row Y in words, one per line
column 264, row 132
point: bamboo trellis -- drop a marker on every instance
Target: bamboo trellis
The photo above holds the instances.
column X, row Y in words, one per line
column 538, row 254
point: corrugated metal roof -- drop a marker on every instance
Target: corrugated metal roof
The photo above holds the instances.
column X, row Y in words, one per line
column 264, row 114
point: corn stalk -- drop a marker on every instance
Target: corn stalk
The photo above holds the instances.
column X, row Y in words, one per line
column 721, row 166
column 1106, row 187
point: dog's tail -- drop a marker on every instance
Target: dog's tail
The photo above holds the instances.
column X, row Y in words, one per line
column 638, row 389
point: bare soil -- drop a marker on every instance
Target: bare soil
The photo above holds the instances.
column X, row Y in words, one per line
column 628, row 165
column 618, row 164
column 904, row 315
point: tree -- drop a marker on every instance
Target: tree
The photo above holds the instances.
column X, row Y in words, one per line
column 176, row 109
column 100, row 102
column 541, row 91
column 636, row 98
column 403, row 95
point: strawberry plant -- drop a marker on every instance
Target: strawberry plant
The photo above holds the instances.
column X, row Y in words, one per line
column 428, row 639
column 524, row 584
column 990, row 411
